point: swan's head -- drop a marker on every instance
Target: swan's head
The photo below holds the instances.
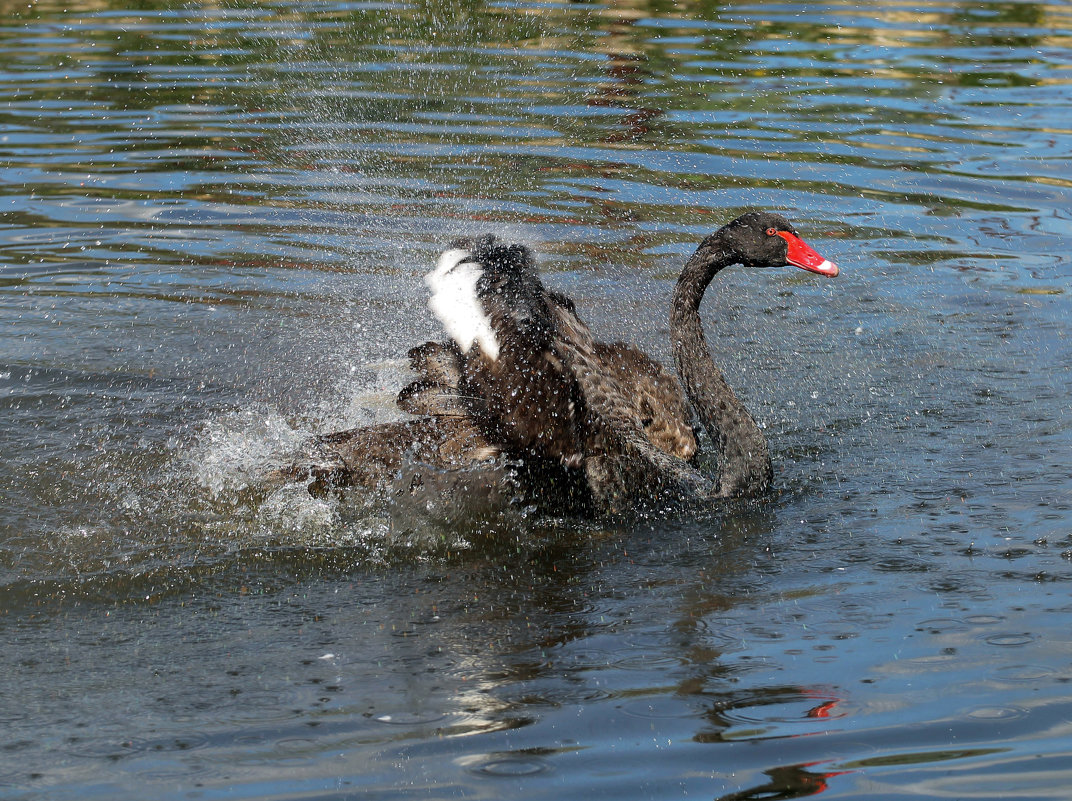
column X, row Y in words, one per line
column 763, row 239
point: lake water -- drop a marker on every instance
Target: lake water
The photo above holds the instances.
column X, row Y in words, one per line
column 215, row 222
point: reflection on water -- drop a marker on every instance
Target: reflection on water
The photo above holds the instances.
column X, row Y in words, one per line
column 215, row 221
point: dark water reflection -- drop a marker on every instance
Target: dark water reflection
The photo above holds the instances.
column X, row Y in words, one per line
column 215, row 219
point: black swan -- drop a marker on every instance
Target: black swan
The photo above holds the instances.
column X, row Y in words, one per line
column 522, row 382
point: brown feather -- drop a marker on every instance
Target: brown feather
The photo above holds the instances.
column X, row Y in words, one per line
column 652, row 395
column 370, row 456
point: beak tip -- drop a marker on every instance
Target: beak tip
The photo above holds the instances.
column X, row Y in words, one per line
column 825, row 268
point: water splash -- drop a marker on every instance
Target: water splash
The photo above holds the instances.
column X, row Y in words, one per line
column 236, row 451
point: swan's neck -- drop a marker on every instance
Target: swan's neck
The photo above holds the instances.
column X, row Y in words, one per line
column 744, row 465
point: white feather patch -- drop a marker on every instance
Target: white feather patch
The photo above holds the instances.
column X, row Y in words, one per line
column 454, row 301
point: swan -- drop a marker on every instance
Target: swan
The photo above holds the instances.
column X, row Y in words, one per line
column 521, row 380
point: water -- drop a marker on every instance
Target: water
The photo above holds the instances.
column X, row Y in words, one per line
column 215, row 222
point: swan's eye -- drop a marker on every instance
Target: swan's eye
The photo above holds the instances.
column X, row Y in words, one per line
column 772, row 231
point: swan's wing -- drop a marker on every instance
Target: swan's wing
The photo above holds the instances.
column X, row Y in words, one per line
column 483, row 291
column 511, row 379
column 370, row 457
column 622, row 465
column 436, row 391
column 645, row 392
column 652, row 395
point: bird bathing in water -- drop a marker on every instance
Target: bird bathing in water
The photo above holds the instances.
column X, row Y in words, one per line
column 522, row 388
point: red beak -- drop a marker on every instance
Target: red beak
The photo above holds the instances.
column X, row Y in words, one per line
column 802, row 255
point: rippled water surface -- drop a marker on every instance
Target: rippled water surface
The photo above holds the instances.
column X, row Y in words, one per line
column 215, row 220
